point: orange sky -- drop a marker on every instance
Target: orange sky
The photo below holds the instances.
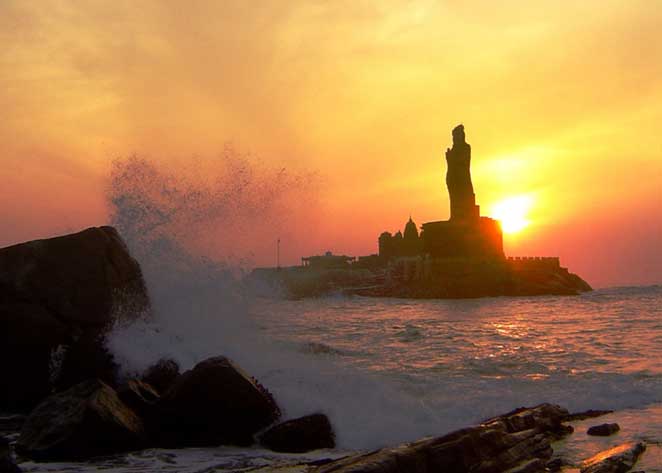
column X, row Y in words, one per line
column 562, row 102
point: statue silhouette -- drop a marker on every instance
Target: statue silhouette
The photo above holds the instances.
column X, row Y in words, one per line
column 458, row 178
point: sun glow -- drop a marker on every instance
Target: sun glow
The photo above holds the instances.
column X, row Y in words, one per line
column 512, row 213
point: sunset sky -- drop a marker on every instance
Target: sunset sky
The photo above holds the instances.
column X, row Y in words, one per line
column 561, row 101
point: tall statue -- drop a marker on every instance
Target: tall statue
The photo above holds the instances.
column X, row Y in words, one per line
column 458, row 178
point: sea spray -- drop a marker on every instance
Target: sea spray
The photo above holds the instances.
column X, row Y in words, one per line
column 383, row 370
column 192, row 228
column 201, row 309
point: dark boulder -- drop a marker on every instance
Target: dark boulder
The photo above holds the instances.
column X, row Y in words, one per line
column 214, row 403
column 11, row 423
column 162, row 374
column 7, row 464
column 516, row 442
column 29, row 338
column 590, row 414
column 615, row 460
column 548, row 418
column 300, row 435
column 555, row 465
column 85, row 279
column 56, row 297
column 84, row 421
column 139, row 397
column 87, row 358
column 603, row 430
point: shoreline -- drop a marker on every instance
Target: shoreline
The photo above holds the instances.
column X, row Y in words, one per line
column 635, row 426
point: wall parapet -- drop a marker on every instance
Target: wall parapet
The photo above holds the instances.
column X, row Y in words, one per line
column 534, row 262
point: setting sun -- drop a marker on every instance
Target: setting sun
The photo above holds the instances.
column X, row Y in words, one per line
column 512, row 213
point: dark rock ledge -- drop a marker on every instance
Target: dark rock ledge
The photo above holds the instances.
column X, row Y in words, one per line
column 58, row 298
column 615, row 460
column 518, row 442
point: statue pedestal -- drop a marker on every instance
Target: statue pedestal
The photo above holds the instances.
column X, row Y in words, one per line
column 479, row 238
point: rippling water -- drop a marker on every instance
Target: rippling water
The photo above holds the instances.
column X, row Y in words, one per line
column 445, row 364
column 390, row 370
column 599, row 350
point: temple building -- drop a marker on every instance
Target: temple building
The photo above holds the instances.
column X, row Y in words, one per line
column 393, row 246
column 466, row 234
column 455, row 258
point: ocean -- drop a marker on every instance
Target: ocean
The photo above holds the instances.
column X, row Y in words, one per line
column 387, row 371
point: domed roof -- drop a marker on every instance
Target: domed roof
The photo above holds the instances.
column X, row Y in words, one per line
column 411, row 231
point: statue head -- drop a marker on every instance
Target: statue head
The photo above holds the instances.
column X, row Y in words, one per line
column 458, row 135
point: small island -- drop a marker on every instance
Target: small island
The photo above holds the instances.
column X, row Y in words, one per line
column 461, row 257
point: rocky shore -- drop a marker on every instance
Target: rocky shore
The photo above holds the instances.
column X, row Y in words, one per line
column 69, row 402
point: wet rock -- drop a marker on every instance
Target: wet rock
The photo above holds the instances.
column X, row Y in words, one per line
column 603, row 430
column 7, row 464
column 516, row 442
column 555, row 464
column 615, row 460
column 300, row 435
column 29, row 336
column 139, row 397
column 535, row 465
column 87, row 358
column 54, row 291
column 547, row 418
column 591, row 413
column 86, row 278
column 214, row 403
column 162, row 374
column 11, row 423
column 84, row 421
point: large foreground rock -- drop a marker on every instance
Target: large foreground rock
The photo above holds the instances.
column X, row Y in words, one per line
column 140, row 397
column 84, row 421
column 55, row 295
column 29, row 337
column 615, row 460
column 214, row 403
column 516, row 442
column 162, row 374
column 300, row 435
column 84, row 279
column 7, row 464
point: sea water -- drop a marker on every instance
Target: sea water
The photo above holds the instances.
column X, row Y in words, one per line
column 387, row 371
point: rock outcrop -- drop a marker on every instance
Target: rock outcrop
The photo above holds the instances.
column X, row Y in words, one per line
column 603, row 430
column 300, row 435
column 615, row 460
column 139, row 397
column 516, row 442
column 589, row 414
column 214, row 403
column 29, row 336
column 86, row 358
column 7, row 464
column 85, row 279
column 162, row 374
column 84, row 421
column 53, row 293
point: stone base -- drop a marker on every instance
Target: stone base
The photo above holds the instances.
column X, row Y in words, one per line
column 479, row 238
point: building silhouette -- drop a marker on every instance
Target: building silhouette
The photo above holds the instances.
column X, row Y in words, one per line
column 455, row 258
column 466, row 234
column 327, row 261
